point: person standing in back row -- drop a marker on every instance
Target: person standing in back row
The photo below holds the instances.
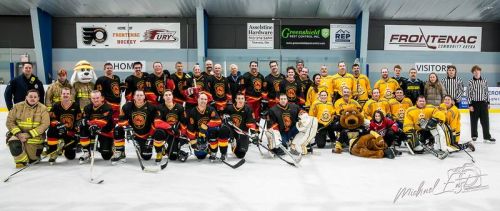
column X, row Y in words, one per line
column 479, row 103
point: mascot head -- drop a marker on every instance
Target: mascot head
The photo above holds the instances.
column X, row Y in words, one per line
column 351, row 117
column 83, row 72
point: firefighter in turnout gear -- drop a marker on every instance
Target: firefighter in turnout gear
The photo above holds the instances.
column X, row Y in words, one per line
column 27, row 122
column 203, row 130
column 109, row 85
column 97, row 120
column 139, row 115
column 170, row 124
column 62, row 131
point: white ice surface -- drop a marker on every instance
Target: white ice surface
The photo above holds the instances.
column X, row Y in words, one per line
column 325, row 181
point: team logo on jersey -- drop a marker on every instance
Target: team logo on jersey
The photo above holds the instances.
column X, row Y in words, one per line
column 257, row 84
column 67, row 119
column 276, row 85
column 290, row 92
column 287, row 120
column 236, row 119
column 140, row 85
column 171, row 118
column 343, row 85
column 421, row 115
column 325, row 116
column 203, row 121
column 115, row 87
column 361, row 91
column 401, row 113
column 219, row 90
column 139, row 119
column 159, row 86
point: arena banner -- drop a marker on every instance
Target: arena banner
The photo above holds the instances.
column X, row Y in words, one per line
column 128, row 35
column 432, row 38
column 342, row 36
column 126, row 66
column 438, row 68
column 260, row 35
column 493, row 92
column 305, row 37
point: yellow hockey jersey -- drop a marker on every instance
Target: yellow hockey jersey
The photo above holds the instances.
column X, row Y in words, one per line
column 384, row 85
column 322, row 111
column 347, row 80
column 398, row 109
column 414, row 114
column 371, row 106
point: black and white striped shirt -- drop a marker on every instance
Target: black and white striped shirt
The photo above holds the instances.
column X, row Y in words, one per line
column 454, row 87
column 478, row 90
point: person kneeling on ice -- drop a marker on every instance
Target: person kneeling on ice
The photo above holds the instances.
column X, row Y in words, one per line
column 139, row 115
column 204, row 123
column 170, row 124
column 281, row 124
column 97, row 121
column 239, row 115
column 386, row 128
column 324, row 111
column 418, row 123
column 453, row 122
column 27, row 122
column 61, row 135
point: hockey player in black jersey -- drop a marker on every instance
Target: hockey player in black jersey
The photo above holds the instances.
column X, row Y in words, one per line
column 97, row 120
column 196, row 84
column 137, row 81
column 62, row 130
column 241, row 115
column 272, row 82
column 292, row 88
column 219, row 88
column 170, row 124
column 109, row 85
column 253, row 87
column 180, row 80
column 156, row 84
column 203, row 129
column 139, row 115
column 281, row 123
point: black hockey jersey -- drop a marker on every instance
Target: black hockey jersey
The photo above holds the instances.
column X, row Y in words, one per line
column 219, row 88
column 110, row 88
column 139, row 118
column 292, row 90
column 253, row 85
column 241, row 117
column 133, row 83
column 181, row 84
column 304, row 85
column 273, row 85
column 283, row 118
column 68, row 116
column 209, row 118
column 101, row 116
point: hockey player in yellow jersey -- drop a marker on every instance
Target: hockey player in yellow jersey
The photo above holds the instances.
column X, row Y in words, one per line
column 362, row 85
column 399, row 104
column 324, row 111
column 418, row 122
column 346, row 100
column 343, row 79
column 374, row 104
column 326, row 82
column 386, row 84
column 453, row 121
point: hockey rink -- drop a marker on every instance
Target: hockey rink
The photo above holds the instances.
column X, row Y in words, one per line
column 325, row 181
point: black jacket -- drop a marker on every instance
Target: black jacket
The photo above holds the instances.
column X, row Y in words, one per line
column 17, row 89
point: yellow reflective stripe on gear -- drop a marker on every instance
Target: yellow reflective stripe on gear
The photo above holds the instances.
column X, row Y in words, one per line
column 27, row 124
column 83, row 94
column 34, row 141
column 22, row 159
column 15, row 130
column 33, row 133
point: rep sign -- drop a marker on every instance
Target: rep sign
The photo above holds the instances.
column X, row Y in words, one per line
column 432, row 38
column 342, row 36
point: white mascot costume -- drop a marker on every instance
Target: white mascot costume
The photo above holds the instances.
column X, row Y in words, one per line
column 307, row 127
column 83, row 82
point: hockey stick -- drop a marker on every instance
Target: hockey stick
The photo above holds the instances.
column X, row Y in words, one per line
column 36, row 162
column 92, row 156
column 439, row 155
column 238, row 164
column 425, row 40
column 130, row 137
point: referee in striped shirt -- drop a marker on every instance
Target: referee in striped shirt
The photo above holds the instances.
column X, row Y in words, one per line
column 453, row 84
column 479, row 103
